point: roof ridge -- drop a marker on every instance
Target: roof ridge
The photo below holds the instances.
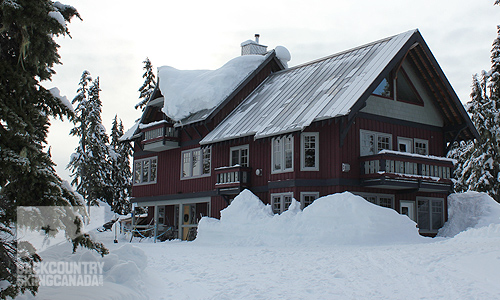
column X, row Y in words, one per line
column 346, row 51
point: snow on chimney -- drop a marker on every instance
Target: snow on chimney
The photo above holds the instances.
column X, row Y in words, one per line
column 250, row 47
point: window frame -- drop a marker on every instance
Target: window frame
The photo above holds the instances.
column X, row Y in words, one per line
column 303, row 137
column 377, row 198
column 202, row 163
column 282, row 153
column 303, row 195
column 282, row 202
column 430, row 213
column 141, row 173
column 412, row 143
column 239, row 148
column 425, row 142
column 363, row 132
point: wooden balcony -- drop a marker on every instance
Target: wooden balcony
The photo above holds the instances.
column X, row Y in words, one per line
column 407, row 171
column 232, row 180
column 160, row 137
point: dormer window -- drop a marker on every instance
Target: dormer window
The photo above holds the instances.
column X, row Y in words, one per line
column 404, row 89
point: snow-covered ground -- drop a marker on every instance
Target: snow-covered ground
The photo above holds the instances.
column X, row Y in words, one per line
column 340, row 247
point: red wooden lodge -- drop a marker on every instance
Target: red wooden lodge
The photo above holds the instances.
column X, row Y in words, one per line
column 376, row 120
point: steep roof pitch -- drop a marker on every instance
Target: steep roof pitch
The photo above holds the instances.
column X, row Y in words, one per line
column 337, row 85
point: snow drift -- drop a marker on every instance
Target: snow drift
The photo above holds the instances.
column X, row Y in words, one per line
column 189, row 91
column 339, row 219
column 471, row 210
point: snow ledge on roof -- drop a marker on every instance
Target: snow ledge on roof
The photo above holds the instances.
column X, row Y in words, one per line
column 190, row 91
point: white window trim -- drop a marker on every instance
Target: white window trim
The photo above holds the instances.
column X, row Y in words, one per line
column 412, row 143
column 303, row 154
column 377, row 134
column 191, row 163
column 426, row 142
column 304, row 194
column 239, row 157
column 283, row 155
column 282, row 201
column 364, row 195
column 430, row 199
column 142, row 160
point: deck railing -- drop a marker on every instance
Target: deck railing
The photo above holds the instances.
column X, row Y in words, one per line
column 232, row 177
column 407, row 165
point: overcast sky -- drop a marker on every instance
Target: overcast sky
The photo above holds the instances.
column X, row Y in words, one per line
column 116, row 36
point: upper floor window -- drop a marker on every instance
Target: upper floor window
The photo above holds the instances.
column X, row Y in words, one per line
column 309, row 145
column 195, row 163
column 239, row 156
column 145, row 170
column 421, row 146
column 372, row 142
column 282, row 154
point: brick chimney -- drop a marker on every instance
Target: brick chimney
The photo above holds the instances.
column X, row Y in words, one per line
column 253, row 47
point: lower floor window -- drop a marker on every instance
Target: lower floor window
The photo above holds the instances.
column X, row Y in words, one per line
column 307, row 198
column 281, row 202
column 430, row 214
column 382, row 200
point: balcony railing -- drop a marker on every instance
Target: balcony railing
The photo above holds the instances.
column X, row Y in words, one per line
column 407, row 165
column 159, row 137
column 232, row 178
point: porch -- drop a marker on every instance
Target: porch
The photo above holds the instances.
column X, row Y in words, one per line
column 407, row 172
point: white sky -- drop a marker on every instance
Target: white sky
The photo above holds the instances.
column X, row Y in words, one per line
column 116, row 36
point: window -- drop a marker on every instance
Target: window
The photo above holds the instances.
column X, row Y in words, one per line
column 309, row 144
column 239, row 156
column 405, row 145
column 195, row 163
column 404, row 91
column 145, row 170
column 282, row 154
column 373, row 142
column 385, row 88
column 379, row 199
column 421, row 146
column 307, row 198
column 281, row 202
column 430, row 214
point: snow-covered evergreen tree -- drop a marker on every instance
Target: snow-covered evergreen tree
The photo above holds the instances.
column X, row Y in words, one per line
column 121, row 175
column 478, row 166
column 28, row 53
column 89, row 165
column 149, row 84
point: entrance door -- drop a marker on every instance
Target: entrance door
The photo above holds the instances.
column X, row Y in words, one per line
column 188, row 219
column 408, row 208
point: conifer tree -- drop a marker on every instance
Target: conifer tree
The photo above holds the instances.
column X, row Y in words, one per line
column 478, row 166
column 149, row 84
column 28, row 53
column 121, row 175
column 89, row 165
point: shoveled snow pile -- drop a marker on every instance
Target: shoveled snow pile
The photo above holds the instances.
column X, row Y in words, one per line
column 339, row 219
column 471, row 210
column 189, row 91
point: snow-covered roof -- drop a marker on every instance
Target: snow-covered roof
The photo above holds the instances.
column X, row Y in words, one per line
column 292, row 99
column 188, row 92
column 129, row 134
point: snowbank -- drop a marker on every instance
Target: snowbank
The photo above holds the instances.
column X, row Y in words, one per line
column 469, row 211
column 190, row 91
column 340, row 219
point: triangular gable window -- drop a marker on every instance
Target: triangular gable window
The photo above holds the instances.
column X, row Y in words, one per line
column 405, row 91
